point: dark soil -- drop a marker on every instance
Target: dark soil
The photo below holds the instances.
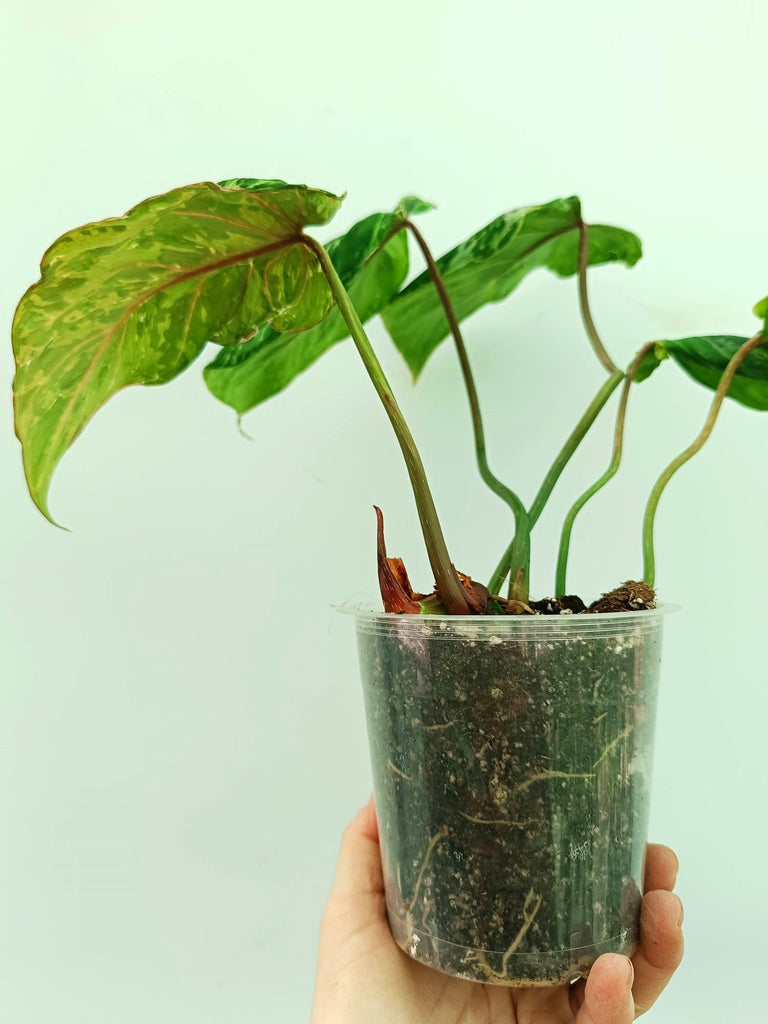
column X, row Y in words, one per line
column 511, row 779
column 570, row 605
column 632, row 596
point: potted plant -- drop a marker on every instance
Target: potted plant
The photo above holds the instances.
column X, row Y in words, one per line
column 511, row 738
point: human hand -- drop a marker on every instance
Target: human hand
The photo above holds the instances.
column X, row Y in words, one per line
column 363, row 977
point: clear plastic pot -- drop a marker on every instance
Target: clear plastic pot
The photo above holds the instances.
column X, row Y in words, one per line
column 511, row 763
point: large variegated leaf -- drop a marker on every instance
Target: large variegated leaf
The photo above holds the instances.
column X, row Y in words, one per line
column 491, row 264
column 133, row 300
column 372, row 262
column 705, row 359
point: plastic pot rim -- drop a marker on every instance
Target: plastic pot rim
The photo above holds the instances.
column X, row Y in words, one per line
column 365, row 610
column 506, row 627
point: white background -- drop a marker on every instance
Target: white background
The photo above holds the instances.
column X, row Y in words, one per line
column 181, row 727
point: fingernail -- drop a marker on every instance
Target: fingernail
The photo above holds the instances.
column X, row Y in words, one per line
column 630, row 974
column 682, row 912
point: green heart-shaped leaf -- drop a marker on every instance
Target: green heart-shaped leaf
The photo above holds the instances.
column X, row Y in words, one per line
column 492, row 263
column 372, row 262
column 706, row 358
column 133, row 300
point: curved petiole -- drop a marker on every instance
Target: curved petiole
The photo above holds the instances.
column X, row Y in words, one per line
column 613, row 468
column 519, row 589
column 649, row 556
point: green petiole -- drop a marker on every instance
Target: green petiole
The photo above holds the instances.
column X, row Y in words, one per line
column 649, row 555
column 519, row 587
column 445, row 576
column 618, row 444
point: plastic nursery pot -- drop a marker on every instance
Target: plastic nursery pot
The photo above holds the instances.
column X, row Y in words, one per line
column 511, row 763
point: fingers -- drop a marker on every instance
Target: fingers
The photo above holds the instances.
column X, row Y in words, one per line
column 659, row 952
column 355, row 942
column 608, row 992
column 661, row 866
column 358, row 873
column 661, row 946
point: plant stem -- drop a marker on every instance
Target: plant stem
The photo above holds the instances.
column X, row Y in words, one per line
column 564, row 456
column 509, row 562
column 575, row 438
column 586, row 313
column 446, row 579
column 613, row 467
column 649, row 557
column 522, row 531
column 501, row 571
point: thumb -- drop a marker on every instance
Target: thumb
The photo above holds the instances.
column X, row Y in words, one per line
column 608, row 992
column 359, row 875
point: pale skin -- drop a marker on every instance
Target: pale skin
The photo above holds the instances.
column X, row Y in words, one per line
column 364, row 978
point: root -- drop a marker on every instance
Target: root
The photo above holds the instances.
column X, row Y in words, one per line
column 552, row 775
column 429, row 908
column 397, row 771
column 613, row 744
column 530, row 910
column 499, row 821
column 439, row 725
column 441, row 834
column 486, row 968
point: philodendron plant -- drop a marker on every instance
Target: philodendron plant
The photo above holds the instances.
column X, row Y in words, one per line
column 511, row 756
column 135, row 299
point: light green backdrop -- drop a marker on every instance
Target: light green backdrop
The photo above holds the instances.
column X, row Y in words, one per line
column 181, row 729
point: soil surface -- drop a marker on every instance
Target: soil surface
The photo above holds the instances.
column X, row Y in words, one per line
column 632, row 596
column 569, row 605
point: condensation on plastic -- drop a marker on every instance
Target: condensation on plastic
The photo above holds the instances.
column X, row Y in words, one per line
column 511, row 761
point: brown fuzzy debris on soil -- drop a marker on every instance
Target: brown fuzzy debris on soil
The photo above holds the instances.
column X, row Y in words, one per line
column 632, row 596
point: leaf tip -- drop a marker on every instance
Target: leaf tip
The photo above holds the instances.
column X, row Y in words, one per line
column 635, row 251
column 41, row 504
column 38, row 483
column 241, row 429
column 416, row 363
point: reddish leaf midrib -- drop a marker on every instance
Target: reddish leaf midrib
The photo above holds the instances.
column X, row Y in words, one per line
column 186, row 276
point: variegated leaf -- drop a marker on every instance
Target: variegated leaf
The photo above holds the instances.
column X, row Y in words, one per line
column 372, row 262
column 133, row 300
column 492, row 263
